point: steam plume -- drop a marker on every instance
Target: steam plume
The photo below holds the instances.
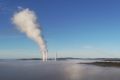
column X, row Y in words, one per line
column 26, row 21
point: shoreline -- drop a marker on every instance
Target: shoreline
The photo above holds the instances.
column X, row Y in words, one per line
column 104, row 64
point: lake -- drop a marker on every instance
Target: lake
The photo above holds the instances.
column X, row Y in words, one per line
column 55, row 70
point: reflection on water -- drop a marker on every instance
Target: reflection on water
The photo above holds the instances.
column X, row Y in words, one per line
column 73, row 71
column 36, row 70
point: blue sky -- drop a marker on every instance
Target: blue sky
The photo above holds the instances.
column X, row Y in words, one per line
column 72, row 28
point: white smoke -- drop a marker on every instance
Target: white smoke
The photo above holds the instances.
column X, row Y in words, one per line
column 26, row 21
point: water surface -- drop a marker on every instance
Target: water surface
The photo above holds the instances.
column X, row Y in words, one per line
column 59, row 70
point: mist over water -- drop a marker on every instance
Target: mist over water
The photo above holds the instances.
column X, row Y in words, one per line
column 51, row 70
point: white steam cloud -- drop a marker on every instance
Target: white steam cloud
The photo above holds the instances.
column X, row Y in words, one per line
column 26, row 21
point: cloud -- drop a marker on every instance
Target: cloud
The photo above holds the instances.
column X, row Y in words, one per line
column 20, row 8
column 87, row 47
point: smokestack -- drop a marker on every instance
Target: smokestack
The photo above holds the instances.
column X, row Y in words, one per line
column 56, row 56
column 26, row 21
